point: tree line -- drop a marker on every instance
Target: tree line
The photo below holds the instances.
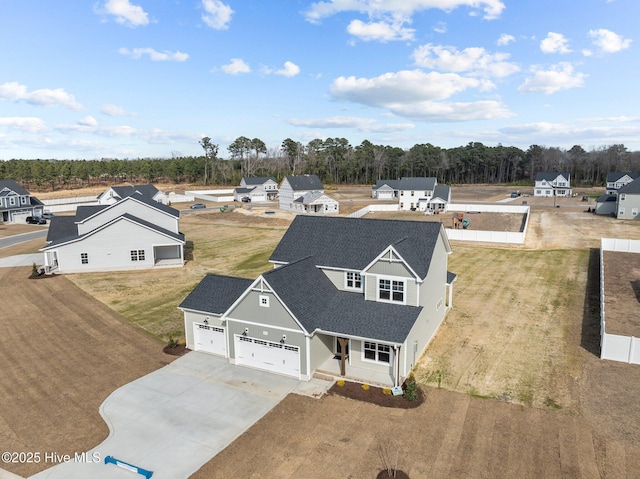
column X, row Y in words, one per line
column 335, row 161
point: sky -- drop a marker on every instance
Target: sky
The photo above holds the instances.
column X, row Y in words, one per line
column 149, row 78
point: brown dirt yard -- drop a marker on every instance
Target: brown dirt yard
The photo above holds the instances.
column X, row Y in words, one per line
column 521, row 391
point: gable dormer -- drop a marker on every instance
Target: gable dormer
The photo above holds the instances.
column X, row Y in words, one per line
column 389, row 278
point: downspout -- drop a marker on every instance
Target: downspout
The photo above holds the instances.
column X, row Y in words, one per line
column 396, row 350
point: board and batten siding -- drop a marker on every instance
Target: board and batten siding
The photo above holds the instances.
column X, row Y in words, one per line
column 134, row 208
column 193, row 317
column 249, row 309
column 110, row 248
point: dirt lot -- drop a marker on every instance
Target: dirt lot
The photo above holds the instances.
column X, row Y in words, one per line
column 523, row 391
column 62, row 353
column 622, row 293
column 478, row 221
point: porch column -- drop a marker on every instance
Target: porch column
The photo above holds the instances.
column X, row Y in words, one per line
column 450, row 302
column 396, row 358
column 343, row 354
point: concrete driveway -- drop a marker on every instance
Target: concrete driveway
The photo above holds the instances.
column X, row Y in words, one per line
column 21, row 260
column 175, row 419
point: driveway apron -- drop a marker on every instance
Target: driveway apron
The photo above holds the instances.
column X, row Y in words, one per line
column 175, row 419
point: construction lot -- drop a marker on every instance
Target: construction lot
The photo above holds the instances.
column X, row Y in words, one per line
column 514, row 385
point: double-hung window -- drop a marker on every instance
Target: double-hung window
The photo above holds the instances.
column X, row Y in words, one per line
column 391, row 290
column 377, row 352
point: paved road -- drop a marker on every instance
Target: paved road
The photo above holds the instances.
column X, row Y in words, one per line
column 175, row 419
column 22, row 238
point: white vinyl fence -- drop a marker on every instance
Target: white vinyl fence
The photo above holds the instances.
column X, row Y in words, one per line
column 220, row 196
column 614, row 346
column 470, row 235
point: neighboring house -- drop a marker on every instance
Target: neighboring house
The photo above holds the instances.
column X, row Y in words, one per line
column 116, row 193
column 440, row 199
column 256, row 194
column 134, row 233
column 315, row 202
column 294, row 187
column 628, row 203
column 618, row 179
column 267, row 183
column 606, row 205
column 552, row 184
column 413, row 193
column 350, row 297
column 16, row 203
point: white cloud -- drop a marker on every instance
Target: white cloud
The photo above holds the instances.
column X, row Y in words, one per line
column 24, row 123
column 358, row 123
column 558, row 77
column 217, row 15
column 125, row 13
column 154, row 55
column 505, row 39
column 398, row 8
column 474, row 59
column 380, row 31
column 609, row 42
column 88, row 121
column 289, row 70
column 441, row 27
column 555, row 43
column 114, row 110
column 578, row 132
column 416, row 94
column 13, row 91
column 236, row 66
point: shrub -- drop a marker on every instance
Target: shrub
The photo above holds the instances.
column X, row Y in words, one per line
column 411, row 388
column 365, row 387
column 386, row 392
column 340, row 382
column 172, row 343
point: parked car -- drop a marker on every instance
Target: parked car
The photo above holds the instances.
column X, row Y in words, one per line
column 197, row 206
column 47, row 216
column 246, row 199
column 36, row 220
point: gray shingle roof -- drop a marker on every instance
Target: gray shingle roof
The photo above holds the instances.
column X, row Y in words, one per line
column 123, row 191
column 258, row 180
column 13, row 186
column 305, row 182
column 616, row 175
column 442, row 191
column 215, row 293
column 65, row 239
column 85, row 211
column 551, row 175
column 318, row 304
column 406, row 183
column 61, row 227
column 631, row 188
column 606, row 198
column 353, row 243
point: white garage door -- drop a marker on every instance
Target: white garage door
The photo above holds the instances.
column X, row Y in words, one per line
column 275, row 357
column 209, row 339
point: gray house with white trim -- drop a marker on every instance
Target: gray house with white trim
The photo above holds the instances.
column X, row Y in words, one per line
column 628, row 204
column 347, row 297
column 133, row 233
column 16, row 203
column 267, row 184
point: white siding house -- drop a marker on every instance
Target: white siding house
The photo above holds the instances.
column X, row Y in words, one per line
column 115, row 193
column 268, row 185
column 618, row 179
column 134, row 233
column 552, row 184
column 294, row 187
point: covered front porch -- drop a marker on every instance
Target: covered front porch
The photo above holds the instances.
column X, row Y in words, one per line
column 361, row 360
